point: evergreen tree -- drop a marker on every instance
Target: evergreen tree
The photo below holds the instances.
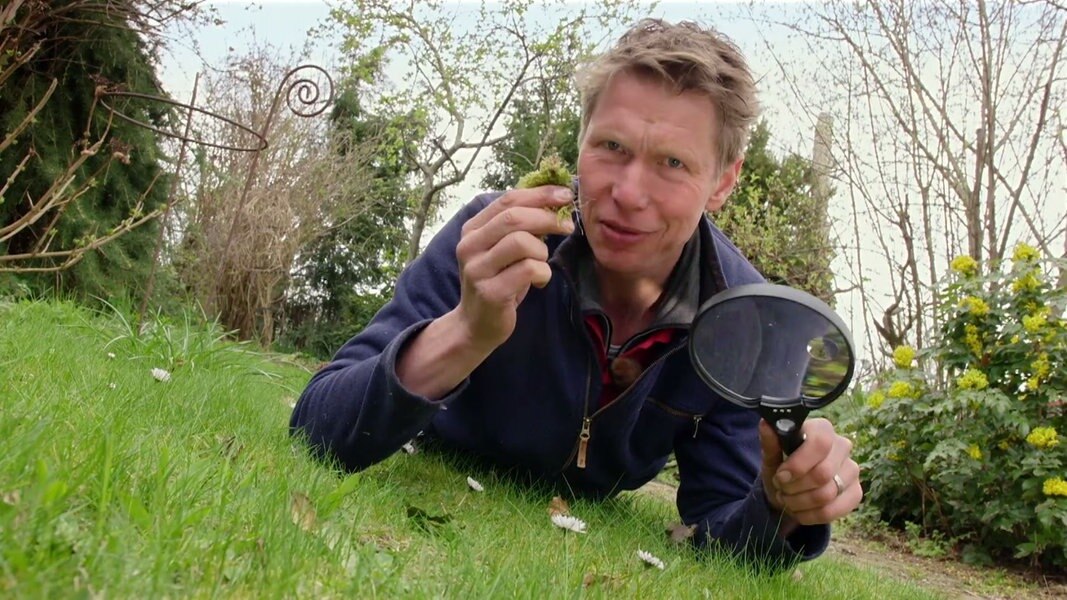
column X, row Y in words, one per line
column 86, row 46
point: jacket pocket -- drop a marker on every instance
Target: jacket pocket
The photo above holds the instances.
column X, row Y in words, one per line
column 693, row 417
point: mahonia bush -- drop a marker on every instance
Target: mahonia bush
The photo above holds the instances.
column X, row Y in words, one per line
column 964, row 436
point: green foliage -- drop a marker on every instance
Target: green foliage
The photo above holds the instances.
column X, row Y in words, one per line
column 85, row 47
column 971, row 447
column 776, row 219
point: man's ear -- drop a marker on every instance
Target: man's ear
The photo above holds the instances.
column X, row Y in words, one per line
column 724, row 185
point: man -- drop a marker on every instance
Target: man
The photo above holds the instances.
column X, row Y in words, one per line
column 561, row 354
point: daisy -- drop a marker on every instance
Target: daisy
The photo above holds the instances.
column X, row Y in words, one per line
column 475, row 485
column 569, row 523
column 160, row 374
column 648, row 558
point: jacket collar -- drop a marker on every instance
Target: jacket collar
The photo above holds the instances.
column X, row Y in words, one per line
column 697, row 275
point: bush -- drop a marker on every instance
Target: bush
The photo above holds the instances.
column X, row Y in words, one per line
column 964, row 437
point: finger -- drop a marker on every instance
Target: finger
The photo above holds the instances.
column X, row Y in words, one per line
column 821, row 496
column 842, row 505
column 511, row 285
column 546, row 196
column 817, row 460
column 516, row 246
column 535, row 221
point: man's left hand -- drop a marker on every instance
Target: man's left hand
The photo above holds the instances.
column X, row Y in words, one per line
column 819, row 482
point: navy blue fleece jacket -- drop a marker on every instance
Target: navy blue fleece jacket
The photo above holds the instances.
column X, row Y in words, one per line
column 526, row 406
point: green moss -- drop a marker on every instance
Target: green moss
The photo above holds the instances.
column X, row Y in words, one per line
column 552, row 171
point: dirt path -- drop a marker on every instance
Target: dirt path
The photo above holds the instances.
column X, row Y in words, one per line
column 888, row 556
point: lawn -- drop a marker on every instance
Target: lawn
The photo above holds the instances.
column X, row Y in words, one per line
column 116, row 484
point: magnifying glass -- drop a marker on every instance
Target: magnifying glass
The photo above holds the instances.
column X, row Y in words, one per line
column 775, row 349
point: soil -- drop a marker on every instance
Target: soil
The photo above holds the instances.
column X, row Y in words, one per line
column 887, row 554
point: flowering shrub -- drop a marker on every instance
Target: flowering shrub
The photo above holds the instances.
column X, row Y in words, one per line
column 964, row 436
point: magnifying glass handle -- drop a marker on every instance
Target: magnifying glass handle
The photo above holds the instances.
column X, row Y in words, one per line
column 786, row 422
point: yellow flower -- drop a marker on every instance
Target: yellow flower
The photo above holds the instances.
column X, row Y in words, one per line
column 972, row 339
column 1043, row 438
column 975, row 305
column 901, row 389
column 875, row 399
column 974, row 451
column 1026, row 283
column 964, row 265
column 902, row 356
column 1015, row 339
column 1041, row 367
column 1055, row 487
column 1003, row 445
column 1034, row 323
column 1025, row 253
column 972, row 379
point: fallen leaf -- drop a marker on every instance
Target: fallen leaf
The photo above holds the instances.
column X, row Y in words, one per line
column 301, row 511
column 11, row 498
column 797, row 575
column 680, row 533
column 558, row 506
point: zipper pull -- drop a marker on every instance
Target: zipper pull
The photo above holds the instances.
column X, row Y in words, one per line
column 583, row 442
column 696, row 424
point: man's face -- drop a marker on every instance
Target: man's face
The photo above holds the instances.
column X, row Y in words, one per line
column 647, row 170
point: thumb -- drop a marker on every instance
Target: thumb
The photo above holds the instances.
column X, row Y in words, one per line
column 772, row 449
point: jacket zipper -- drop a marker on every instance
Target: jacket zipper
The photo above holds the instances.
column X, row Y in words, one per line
column 587, row 421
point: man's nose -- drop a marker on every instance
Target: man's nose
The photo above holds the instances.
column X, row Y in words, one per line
column 630, row 190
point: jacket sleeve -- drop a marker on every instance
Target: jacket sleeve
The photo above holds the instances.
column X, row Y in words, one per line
column 722, row 494
column 355, row 409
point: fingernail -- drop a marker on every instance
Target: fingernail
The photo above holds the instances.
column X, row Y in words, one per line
column 784, row 477
column 564, row 194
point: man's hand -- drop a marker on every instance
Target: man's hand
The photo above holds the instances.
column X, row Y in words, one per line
column 819, row 483
column 501, row 255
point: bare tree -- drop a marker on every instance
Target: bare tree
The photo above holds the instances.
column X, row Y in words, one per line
column 304, row 185
column 950, row 137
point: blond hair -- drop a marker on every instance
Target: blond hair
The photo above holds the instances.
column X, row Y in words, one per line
column 688, row 58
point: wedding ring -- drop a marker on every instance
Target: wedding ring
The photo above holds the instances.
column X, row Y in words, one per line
column 840, row 484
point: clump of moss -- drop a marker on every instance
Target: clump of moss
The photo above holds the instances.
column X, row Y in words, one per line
column 552, row 171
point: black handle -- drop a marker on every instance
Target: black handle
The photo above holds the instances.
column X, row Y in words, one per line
column 786, row 422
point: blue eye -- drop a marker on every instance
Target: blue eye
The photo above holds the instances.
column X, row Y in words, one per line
column 613, row 145
column 674, row 163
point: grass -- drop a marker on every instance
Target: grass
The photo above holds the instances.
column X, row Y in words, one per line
column 115, row 484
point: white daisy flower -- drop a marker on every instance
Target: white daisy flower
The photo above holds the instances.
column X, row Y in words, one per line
column 160, row 374
column 408, row 448
column 648, row 558
column 569, row 523
column 111, row 386
column 475, row 485
column 111, row 355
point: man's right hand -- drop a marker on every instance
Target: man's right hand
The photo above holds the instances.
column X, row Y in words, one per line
column 501, row 255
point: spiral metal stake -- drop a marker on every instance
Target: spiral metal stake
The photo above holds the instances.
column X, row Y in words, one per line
column 307, row 93
column 303, row 97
